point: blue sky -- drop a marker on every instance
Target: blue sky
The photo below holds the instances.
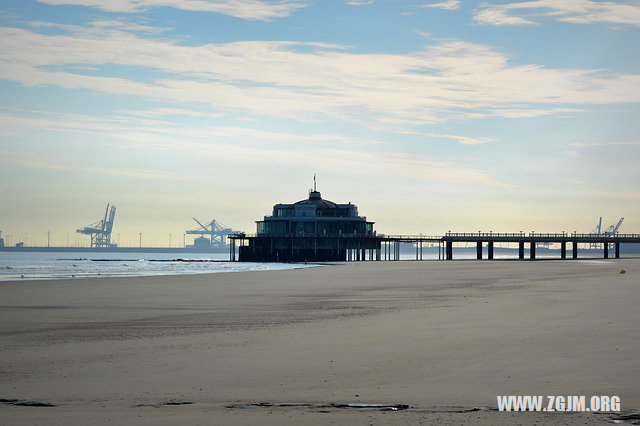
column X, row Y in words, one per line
column 430, row 115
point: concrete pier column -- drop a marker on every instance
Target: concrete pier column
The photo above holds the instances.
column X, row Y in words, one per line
column 532, row 250
column 479, row 250
column 605, row 246
column 521, row 250
column 575, row 250
column 563, row 250
column 449, row 250
column 617, row 250
column 490, row 250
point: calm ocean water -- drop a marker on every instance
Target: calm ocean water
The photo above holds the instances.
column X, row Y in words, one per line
column 36, row 265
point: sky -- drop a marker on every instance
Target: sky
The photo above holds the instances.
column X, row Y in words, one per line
column 431, row 116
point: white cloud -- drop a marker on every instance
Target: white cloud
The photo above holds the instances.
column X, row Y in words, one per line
column 464, row 140
column 453, row 79
column 573, row 11
column 496, row 15
column 335, row 152
column 606, row 144
column 59, row 165
column 244, row 9
column 447, row 5
column 359, row 2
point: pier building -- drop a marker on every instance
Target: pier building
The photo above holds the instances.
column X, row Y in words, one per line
column 313, row 229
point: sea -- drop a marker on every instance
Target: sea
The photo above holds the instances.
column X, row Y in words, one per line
column 56, row 265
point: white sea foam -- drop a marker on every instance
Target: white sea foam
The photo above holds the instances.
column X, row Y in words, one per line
column 34, row 265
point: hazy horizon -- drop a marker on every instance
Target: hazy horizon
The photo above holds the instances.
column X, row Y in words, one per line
column 431, row 116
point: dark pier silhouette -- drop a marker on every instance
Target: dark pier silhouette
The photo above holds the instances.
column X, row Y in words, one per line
column 381, row 247
column 532, row 239
column 318, row 230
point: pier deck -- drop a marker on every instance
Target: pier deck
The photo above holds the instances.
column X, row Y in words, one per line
column 358, row 247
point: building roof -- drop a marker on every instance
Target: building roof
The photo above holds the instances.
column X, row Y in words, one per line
column 316, row 198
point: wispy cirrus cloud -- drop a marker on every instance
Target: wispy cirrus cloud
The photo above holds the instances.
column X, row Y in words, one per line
column 334, row 152
column 605, row 144
column 447, row 5
column 244, row 9
column 57, row 164
column 452, row 79
column 359, row 2
column 572, row 11
column 464, row 140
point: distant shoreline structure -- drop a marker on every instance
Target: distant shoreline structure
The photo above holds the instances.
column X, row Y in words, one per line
column 405, row 248
column 190, row 249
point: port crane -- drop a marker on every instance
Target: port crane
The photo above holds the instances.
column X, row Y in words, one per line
column 100, row 231
column 216, row 231
column 610, row 231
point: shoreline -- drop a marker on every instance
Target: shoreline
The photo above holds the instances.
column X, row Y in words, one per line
column 422, row 334
column 303, row 265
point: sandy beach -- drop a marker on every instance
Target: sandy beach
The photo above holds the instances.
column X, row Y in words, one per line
column 440, row 337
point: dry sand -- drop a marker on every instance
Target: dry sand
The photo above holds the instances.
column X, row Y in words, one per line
column 432, row 335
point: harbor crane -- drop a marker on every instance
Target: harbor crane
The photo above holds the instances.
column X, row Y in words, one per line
column 100, row 231
column 612, row 230
column 216, row 231
column 609, row 232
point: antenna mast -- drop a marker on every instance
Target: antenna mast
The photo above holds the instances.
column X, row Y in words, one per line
column 314, row 182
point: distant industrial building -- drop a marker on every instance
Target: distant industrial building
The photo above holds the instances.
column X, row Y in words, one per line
column 313, row 229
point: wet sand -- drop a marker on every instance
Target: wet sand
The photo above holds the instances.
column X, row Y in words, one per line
column 440, row 337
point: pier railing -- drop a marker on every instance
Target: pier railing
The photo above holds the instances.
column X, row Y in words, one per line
column 344, row 235
column 537, row 234
column 472, row 236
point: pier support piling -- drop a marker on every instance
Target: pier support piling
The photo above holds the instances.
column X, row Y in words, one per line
column 520, row 250
column 479, row 250
column 563, row 250
column 617, row 250
column 532, row 250
column 605, row 247
column 490, row 250
column 575, row 250
column 449, row 250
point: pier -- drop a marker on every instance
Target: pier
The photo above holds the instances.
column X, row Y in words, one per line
column 381, row 247
column 318, row 230
column 532, row 239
